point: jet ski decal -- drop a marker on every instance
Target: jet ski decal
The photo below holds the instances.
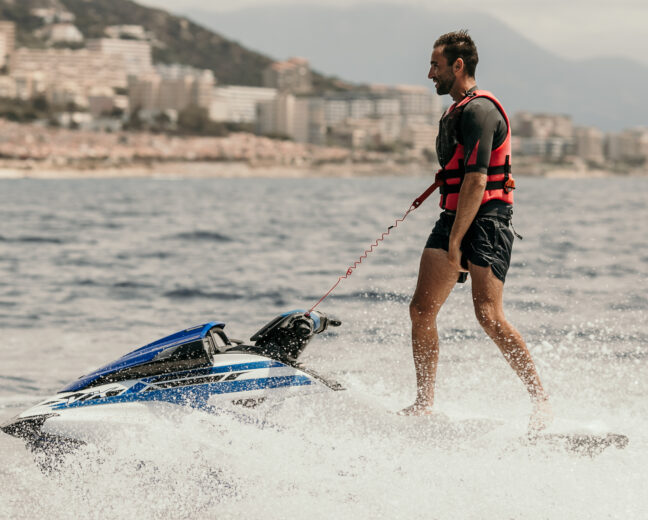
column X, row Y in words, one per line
column 88, row 395
column 194, row 395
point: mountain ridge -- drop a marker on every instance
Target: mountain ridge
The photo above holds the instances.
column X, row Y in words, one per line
column 384, row 43
column 183, row 40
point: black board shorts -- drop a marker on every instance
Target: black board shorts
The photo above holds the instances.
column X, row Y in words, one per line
column 488, row 241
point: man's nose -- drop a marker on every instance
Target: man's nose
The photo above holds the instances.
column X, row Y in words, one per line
column 431, row 73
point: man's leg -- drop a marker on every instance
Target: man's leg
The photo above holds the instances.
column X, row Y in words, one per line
column 435, row 281
column 487, row 292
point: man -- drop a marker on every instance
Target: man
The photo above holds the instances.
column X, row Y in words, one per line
column 473, row 234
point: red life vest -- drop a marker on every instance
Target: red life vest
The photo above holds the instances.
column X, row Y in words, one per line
column 499, row 184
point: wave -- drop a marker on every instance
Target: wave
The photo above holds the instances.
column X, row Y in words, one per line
column 202, row 236
column 376, row 296
column 187, row 293
column 132, row 285
column 633, row 302
column 533, row 306
column 29, row 239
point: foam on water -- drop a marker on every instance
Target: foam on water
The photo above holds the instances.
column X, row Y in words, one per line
column 339, row 457
column 125, row 262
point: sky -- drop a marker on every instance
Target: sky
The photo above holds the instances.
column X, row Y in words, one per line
column 573, row 29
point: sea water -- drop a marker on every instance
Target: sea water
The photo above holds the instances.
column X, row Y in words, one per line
column 90, row 269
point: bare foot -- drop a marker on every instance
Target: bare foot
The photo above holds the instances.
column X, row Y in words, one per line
column 417, row 409
column 541, row 416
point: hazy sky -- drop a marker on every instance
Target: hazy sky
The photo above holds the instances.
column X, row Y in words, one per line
column 570, row 28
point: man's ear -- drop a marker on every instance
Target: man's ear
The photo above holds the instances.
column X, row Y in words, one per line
column 458, row 65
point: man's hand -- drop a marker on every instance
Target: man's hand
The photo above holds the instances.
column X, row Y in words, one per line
column 470, row 197
column 454, row 256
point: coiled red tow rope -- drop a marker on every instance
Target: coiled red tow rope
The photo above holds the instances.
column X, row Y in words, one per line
column 417, row 202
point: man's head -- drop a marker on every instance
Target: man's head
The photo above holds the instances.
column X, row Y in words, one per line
column 454, row 57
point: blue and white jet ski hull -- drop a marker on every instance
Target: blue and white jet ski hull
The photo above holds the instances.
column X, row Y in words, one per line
column 199, row 368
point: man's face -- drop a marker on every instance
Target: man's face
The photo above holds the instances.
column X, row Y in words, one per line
column 441, row 72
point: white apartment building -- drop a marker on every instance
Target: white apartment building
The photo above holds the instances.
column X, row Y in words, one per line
column 135, row 54
column 387, row 106
column 237, row 104
column 418, row 104
column 542, row 126
column 171, row 87
column 588, row 144
column 420, row 136
column 629, row 146
column 277, row 116
column 58, row 71
column 360, row 108
column 310, row 121
column 551, row 148
column 336, row 110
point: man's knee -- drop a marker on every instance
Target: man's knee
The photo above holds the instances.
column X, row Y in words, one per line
column 488, row 315
column 422, row 309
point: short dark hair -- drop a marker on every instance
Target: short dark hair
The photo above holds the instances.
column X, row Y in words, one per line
column 458, row 44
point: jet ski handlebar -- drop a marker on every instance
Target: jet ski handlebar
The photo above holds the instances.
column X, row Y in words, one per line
column 286, row 336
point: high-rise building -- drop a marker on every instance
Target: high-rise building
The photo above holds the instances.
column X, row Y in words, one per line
column 630, row 146
column 171, row 87
column 588, row 144
column 237, row 104
column 310, row 121
column 50, row 70
column 277, row 116
column 136, row 54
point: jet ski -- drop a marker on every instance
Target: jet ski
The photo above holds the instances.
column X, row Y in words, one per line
column 200, row 367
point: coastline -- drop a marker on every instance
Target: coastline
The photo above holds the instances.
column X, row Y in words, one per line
column 31, row 151
column 240, row 169
column 212, row 169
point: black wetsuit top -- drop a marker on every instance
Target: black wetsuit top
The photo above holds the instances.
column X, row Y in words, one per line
column 482, row 126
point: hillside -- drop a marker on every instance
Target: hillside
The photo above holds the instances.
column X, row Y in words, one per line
column 179, row 40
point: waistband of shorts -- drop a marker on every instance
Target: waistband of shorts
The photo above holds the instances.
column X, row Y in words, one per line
column 504, row 211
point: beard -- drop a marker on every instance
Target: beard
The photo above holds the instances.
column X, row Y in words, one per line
column 445, row 84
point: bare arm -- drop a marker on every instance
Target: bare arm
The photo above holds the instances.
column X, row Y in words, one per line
column 470, row 197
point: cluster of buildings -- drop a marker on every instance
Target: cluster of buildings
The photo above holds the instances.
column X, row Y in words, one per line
column 555, row 138
column 105, row 81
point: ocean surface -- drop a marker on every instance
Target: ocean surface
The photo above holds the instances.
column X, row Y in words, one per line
column 90, row 269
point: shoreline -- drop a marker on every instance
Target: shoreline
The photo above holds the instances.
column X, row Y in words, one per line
column 37, row 152
column 242, row 169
